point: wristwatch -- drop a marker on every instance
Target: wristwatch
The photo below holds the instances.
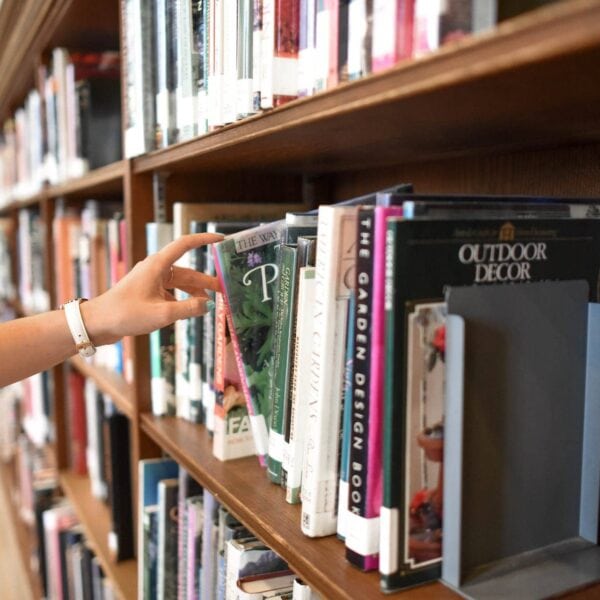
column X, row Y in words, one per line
column 75, row 322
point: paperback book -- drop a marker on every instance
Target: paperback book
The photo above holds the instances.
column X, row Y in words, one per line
column 247, row 266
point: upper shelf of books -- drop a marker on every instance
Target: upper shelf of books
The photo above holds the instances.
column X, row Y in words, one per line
column 526, row 83
column 30, row 28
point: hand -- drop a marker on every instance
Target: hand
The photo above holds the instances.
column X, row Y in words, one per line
column 141, row 302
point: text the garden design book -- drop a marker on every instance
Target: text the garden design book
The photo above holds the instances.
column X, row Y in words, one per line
column 246, row 264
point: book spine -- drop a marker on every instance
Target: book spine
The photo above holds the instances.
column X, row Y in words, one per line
column 285, row 51
column 322, row 32
column 335, row 261
column 334, row 40
column 162, row 373
column 299, row 406
column 163, row 114
column 78, row 432
column 187, row 115
column 360, row 16
column 216, row 65
column 426, row 26
column 346, row 437
column 306, row 47
column 257, row 35
column 282, row 319
column 229, row 93
column 244, row 85
column 360, row 415
column 200, row 19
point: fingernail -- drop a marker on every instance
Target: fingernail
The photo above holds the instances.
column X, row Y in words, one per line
column 210, row 305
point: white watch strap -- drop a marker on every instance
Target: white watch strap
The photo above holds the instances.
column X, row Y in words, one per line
column 75, row 322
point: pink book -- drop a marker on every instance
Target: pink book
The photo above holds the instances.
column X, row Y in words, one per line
column 374, row 460
column 392, row 32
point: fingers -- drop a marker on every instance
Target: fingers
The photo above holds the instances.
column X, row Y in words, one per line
column 191, row 281
column 176, row 249
column 190, row 307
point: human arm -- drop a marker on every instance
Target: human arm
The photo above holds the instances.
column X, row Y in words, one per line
column 138, row 304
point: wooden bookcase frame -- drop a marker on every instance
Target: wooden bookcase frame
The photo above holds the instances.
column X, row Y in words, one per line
column 515, row 110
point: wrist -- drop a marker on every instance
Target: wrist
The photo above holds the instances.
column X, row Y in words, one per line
column 98, row 323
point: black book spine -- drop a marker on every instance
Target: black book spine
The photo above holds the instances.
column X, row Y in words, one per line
column 357, row 480
column 122, row 515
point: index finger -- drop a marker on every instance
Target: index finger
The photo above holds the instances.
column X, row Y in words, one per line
column 176, row 249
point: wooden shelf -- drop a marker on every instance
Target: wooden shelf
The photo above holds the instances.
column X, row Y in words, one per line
column 95, row 519
column 524, row 84
column 26, row 537
column 108, row 382
column 105, row 180
column 243, row 487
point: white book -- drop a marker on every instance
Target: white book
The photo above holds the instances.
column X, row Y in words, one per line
column 322, row 34
column 294, row 451
column 216, row 65
column 307, row 52
column 229, row 61
column 336, row 240
column 60, row 59
column 162, row 391
column 187, row 86
column 302, row 591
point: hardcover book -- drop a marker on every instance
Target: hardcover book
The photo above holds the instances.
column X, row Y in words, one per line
column 247, row 266
column 168, row 491
column 422, row 257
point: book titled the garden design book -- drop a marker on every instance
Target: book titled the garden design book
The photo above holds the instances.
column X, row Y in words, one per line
column 247, row 267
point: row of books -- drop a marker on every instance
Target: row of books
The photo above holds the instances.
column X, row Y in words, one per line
column 60, row 555
column 191, row 547
column 195, row 66
column 70, row 123
column 369, row 350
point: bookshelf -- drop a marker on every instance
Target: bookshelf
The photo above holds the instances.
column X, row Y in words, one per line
column 515, row 110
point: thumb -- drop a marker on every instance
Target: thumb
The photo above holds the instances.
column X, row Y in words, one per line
column 191, row 307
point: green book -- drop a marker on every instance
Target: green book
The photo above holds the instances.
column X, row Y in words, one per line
column 247, row 264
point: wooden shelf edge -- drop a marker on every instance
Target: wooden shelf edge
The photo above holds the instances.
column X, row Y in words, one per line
column 93, row 180
column 546, row 34
column 110, row 383
column 22, row 535
column 320, row 562
column 95, row 519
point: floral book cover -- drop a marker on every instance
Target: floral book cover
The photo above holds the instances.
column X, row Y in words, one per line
column 247, row 267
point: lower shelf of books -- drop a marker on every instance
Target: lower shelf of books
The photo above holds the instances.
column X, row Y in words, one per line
column 95, row 518
column 242, row 486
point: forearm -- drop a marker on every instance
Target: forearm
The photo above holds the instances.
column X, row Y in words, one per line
column 33, row 344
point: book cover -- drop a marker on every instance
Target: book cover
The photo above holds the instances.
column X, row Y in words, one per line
column 232, row 431
column 422, row 257
column 247, row 266
column 335, row 264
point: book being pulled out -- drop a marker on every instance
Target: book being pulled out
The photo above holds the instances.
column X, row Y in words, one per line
column 247, row 267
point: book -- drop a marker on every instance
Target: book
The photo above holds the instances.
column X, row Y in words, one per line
column 210, row 532
column 194, row 509
column 279, row 53
column 335, row 262
column 162, row 341
column 188, row 488
column 272, row 585
column 167, row 565
column 232, row 431
column 464, row 252
column 149, row 553
column 360, row 23
column 120, row 538
column 150, row 472
column 247, row 266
